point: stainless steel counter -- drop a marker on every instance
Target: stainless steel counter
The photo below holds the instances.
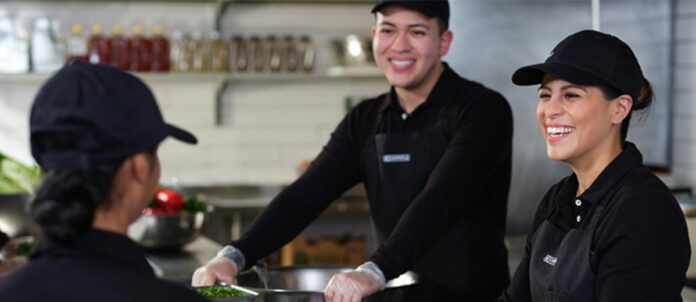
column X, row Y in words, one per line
column 179, row 265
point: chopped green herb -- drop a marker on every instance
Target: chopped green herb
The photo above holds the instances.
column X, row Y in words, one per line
column 24, row 249
column 220, row 292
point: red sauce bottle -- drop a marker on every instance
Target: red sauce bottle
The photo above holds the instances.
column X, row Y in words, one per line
column 119, row 48
column 160, row 48
column 98, row 46
column 139, row 50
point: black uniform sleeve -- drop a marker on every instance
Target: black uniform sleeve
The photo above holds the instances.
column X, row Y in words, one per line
column 481, row 142
column 519, row 290
column 335, row 170
column 637, row 249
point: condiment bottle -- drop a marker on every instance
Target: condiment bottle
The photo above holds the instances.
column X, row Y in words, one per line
column 219, row 53
column 307, row 53
column 160, row 50
column 139, row 51
column 200, row 52
column 76, row 44
column 98, row 46
column 119, row 48
column 241, row 56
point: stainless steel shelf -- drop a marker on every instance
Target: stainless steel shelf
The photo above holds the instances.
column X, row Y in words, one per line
column 31, row 78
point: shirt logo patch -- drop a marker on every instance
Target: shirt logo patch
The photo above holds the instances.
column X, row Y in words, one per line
column 396, row 158
column 550, row 260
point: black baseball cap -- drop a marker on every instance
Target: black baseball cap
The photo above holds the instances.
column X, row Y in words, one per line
column 588, row 57
column 104, row 113
column 429, row 8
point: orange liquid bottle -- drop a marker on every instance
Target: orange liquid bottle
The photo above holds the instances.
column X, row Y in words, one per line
column 160, row 47
column 140, row 53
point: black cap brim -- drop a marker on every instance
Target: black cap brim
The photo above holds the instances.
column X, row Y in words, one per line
column 534, row 74
column 181, row 134
column 413, row 5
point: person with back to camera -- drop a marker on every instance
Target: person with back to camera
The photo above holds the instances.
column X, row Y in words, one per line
column 611, row 231
column 434, row 154
column 94, row 132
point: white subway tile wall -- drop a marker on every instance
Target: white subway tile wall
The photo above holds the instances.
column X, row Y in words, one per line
column 684, row 136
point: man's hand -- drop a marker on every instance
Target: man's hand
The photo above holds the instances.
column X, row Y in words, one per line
column 218, row 270
column 351, row 286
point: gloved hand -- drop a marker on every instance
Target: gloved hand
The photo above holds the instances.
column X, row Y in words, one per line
column 8, row 265
column 353, row 286
column 218, row 270
column 221, row 269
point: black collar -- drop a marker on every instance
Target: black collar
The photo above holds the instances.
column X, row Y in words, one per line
column 628, row 159
column 442, row 92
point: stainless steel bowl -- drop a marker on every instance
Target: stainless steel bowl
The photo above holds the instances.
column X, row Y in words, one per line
column 14, row 220
column 166, row 231
column 306, row 283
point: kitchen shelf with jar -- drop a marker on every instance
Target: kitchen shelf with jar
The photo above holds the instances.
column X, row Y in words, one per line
column 335, row 72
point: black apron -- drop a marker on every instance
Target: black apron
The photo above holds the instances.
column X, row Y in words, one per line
column 559, row 266
column 397, row 167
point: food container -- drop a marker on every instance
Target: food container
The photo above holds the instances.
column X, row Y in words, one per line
column 249, row 297
column 166, row 231
column 354, row 51
column 306, row 283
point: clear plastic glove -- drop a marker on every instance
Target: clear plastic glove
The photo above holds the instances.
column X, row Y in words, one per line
column 218, row 270
column 353, row 286
column 8, row 265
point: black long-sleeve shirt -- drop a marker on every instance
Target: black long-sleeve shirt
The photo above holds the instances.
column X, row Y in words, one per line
column 640, row 248
column 472, row 178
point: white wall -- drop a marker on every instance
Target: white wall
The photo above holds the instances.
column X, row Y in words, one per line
column 684, row 148
column 269, row 126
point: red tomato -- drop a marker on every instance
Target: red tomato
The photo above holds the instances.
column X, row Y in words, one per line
column 169, row 200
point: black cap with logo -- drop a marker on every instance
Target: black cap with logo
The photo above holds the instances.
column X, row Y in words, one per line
column 429, row 8
column 589, row 57
column 105, row 114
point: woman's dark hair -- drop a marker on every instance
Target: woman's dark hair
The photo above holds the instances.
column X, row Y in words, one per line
column 644, row 100
column 64, row 204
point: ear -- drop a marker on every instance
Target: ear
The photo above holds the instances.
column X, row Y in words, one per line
column 445, row 42
column 621, row 107
column 140, row 167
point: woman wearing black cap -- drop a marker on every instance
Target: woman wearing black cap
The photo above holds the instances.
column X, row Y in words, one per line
column 94, row 132
column 611, row 231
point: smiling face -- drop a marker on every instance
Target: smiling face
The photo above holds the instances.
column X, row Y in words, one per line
column 578, row 123
column 407, row 47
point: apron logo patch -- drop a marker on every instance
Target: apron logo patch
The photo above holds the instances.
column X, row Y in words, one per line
column 396, row 158
column 550, row 260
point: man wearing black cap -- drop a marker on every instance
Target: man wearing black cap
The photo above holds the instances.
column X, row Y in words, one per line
column 434, row 154
column 95, row 131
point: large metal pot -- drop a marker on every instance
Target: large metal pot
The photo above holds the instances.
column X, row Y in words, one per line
column 306, row 283
column 14, row 220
